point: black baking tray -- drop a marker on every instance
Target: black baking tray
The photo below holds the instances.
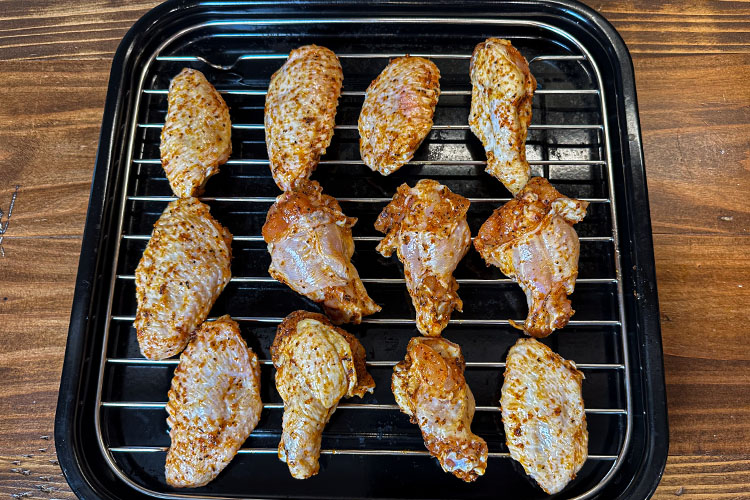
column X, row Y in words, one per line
column 103, row 292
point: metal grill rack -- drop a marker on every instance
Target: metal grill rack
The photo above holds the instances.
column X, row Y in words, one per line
column 568, row 143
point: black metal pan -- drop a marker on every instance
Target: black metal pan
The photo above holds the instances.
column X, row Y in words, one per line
column 111, row 425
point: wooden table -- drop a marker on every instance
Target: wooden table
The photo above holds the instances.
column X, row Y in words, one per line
column 692, row 66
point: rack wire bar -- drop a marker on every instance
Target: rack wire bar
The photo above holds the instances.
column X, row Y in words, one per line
column 469, row 364
column 279, row 55
column 404, row 321
column 274, row 451
column 396, row 281
column 143, row 405
column 361, row 93
column 260, row 161
column 271, row 199
column 601, row 138
column 355, row 238
column 260, row 126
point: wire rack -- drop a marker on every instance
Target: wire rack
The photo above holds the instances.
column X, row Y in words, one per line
column 568, row 143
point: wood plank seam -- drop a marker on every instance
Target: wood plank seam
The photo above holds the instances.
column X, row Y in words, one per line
column 4, row 227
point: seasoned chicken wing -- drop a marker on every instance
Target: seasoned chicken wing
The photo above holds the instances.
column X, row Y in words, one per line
column 311, row 246
column 183, row 270
column 502, row 90
column 532, row 240
column 196, row 137
column 300, row 112
column 214, row 403
column 397, row 113
column 430, row 387
column 543, row 414
column 317, row 364
column 426, row 225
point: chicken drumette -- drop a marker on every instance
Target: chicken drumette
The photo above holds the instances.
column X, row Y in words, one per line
column 214, row 403
column 196, row 137
column 317, row 364
column 532, row 240
column 430, row 387
column 501, row 95
column 427, row 227
column 543, row 414
column 311, row 246
column 397, row 113
column 300, row 112
column 184, row 268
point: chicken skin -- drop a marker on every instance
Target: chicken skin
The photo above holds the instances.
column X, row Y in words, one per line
column 543, row 414
column 317, row 364
column 311, row 246
column 184, row 268
column 397, row 113
column 430, row 387
column 196, row 138
column 426, row 226
column 214, row 403
column 300, row 112
column 532, row 240
column 501, row 95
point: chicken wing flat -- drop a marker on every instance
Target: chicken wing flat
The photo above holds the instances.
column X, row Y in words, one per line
column 196, row 137
column 316, row 365
column 427, row 227
column 430, row 387
column 543, row 414
column 532, row 240
column 311, row 246
column 300, row 112
column 184, row 268
column 501, row 95
column 214, row 403
column 397, row 113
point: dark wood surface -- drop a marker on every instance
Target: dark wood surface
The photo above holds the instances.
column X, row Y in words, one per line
column 692, row 66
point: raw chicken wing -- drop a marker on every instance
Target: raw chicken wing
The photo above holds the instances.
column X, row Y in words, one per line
column 502, row 90
column 183, row 270
column 196, row 137
column 543, row 414
column 214, row 403
column 397, row 113
column 532, row 240
column 316, row 365
column 300, row 112
column 430, row 387
column 426, row 225
column 311, row 246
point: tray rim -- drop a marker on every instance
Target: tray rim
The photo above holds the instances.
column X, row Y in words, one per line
column 652, row 463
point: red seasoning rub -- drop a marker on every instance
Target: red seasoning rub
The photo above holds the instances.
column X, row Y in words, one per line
column 311, row 246
column 430, row 387
column 300, row 113
column 397, row 113
column 426, row 226
column 532, row 240
column 543, row 414
column 184, row 269
column 214, row 403
column 501, row 95
column 196, row 137
column 317, row 364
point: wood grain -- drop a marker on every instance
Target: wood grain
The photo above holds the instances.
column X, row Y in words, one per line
column 36, row 285
column 45, row 104
column 72, row 30
column 704, row 287
column 698, row 477
column 692, row 66
column 702, row 134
